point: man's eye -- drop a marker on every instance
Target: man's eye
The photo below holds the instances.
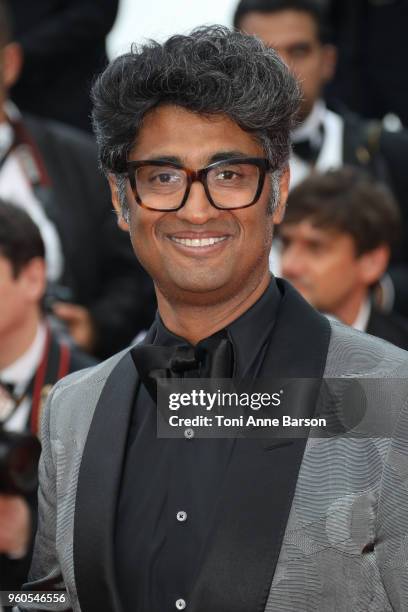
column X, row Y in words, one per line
column 300, row 51
column 316, row 247
column 227, row 175
column 165, row 178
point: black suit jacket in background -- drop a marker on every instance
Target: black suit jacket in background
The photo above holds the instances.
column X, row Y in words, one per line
column 100, row 268
column 390, row 327
column 64, row 47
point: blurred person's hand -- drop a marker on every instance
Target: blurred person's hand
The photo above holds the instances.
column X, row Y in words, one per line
column 15, row 526
column 79, row 323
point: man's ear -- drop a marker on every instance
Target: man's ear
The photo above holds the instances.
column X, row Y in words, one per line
column 372, row 265
column 279, row 212
column 122, row 223
column 33, row 278
column 12, row 64
column 329, row 62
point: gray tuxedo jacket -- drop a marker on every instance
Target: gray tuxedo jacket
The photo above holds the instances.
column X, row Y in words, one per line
column 327, row 532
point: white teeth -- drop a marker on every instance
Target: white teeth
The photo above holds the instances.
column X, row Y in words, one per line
column 198, row 242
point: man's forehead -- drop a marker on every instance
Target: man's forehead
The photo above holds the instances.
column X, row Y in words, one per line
column 281, row 29
column 307, row 229
column 172, row 132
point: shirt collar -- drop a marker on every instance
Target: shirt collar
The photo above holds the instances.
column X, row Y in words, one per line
column 363, row 315
column 22, row 370
column 249, row 333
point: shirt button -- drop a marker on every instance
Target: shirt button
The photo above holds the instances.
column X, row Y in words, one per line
column 181, row 517
column 189, row 433
column 181, row 604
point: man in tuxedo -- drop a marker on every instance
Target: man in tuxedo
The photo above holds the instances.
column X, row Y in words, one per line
column 337, row 236
column 194, row 136
column 32, row 358
column 324, row 139
column 51, row 171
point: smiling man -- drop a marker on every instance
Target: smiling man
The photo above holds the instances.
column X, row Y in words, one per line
column 194, row 138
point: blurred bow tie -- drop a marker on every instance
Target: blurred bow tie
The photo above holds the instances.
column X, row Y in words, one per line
column 309, row 149
column 210, row 358
column 7, row 388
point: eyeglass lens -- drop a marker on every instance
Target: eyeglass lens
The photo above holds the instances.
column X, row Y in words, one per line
column 230, row 185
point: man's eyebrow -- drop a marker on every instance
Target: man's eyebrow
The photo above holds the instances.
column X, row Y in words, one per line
column 221, row 155
column 171, row 159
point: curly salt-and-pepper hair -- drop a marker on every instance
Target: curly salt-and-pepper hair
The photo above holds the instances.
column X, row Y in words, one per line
column 213, row 70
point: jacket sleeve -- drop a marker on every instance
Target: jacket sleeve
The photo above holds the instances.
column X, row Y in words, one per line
column 45, row 573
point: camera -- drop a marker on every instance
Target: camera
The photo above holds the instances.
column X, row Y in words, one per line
column 19, row 456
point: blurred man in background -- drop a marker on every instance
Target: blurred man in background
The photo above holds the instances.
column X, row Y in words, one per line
column 298, row 30
column 32, row 359
column 51, row 171
column 337, row 236
column 63, row 42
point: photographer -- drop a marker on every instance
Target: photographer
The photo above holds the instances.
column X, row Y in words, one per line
column 32, row 359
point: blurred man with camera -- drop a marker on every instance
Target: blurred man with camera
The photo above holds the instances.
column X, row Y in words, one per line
column 32, row 359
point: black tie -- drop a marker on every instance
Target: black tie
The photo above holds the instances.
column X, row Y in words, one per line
column 307, row 150
column 210, row 358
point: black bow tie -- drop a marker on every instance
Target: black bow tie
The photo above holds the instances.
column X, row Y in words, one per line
column 210, row 358
column 309, row 150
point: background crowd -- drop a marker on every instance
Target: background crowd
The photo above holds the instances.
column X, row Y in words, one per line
column 71, row 292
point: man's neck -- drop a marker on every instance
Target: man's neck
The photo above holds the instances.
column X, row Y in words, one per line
column 197, row 322
column 348, row 311
column 14, row 343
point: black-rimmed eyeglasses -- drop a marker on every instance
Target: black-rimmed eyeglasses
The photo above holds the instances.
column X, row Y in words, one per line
column 229, row 184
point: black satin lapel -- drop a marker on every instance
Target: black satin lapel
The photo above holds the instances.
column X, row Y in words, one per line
column 300, row 339
column 98, row 485
column 244, row 547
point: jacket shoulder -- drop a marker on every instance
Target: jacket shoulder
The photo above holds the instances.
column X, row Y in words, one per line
column 72, row 401
column 354, row 353
column 89, row 376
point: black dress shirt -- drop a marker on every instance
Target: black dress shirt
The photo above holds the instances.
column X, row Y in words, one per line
column 170, row 487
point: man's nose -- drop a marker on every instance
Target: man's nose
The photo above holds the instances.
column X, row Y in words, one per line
column 197, row 209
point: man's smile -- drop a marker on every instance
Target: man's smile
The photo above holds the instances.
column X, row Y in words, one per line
column 203, row 243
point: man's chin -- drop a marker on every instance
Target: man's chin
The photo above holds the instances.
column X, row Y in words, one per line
column 198, row 291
